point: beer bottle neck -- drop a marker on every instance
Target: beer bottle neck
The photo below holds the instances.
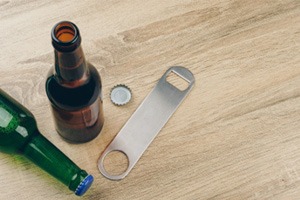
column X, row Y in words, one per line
column 70, row 65
column 45, row 155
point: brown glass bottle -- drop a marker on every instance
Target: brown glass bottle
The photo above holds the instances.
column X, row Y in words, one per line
column 74, row 87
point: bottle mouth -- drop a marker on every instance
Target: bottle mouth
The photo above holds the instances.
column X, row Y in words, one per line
column 65, row 36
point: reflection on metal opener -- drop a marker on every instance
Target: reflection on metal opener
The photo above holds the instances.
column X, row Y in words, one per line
column 146, row 122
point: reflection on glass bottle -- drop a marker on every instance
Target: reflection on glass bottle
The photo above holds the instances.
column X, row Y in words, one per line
column 74, row 87
column 19, row 134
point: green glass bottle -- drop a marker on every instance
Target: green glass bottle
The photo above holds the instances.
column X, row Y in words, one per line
column 19, row 134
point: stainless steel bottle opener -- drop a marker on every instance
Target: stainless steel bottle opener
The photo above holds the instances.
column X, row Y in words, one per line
column 146, row 122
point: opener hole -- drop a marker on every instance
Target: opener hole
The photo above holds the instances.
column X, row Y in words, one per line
column 116, row 163
column 177, row 81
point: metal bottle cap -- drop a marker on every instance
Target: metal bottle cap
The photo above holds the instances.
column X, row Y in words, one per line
column 120, row 95
column 84, row 185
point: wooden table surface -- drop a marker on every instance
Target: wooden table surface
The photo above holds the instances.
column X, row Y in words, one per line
column 236, row 136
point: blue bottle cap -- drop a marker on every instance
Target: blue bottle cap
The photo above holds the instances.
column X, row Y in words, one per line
column 84, row 185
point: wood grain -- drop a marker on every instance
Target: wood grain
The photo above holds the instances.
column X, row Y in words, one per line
column 236, row 136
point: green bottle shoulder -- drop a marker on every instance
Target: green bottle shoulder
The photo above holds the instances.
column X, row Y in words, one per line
column 17, row 124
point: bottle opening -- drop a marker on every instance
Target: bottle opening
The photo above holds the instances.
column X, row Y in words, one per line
column 65, row 32
column 65, row 36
